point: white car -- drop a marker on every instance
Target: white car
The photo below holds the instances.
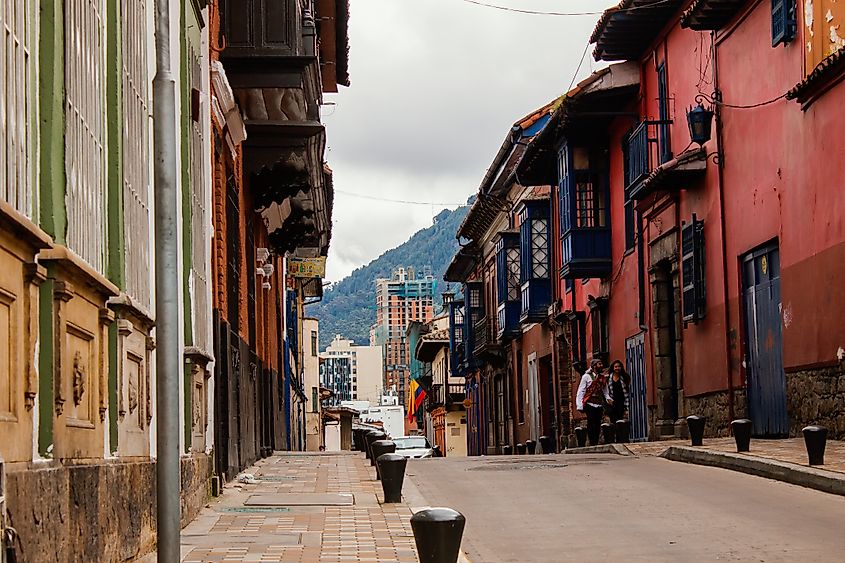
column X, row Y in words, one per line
column 414, row 447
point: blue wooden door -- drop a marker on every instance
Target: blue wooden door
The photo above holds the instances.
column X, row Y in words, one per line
column 637, row 411
column 764, row 343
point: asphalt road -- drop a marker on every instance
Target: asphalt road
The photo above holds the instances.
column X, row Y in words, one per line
column 615, row 508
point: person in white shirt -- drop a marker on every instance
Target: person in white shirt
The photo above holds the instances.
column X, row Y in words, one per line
column 593, row 395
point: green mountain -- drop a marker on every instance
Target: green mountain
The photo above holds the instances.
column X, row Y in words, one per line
column 349, row 306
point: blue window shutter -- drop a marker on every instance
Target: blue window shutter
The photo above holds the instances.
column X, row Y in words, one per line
column 784, row 24
column 693, row 271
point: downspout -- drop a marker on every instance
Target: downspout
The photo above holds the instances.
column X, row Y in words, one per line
column 720, row 166
column 168, row 364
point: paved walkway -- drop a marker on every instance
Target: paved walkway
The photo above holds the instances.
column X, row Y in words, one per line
column 306, row 508
column 791, row 450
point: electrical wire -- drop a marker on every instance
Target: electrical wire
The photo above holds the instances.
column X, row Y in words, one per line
column 752, row 106
column 402, row 201
column 569, row 14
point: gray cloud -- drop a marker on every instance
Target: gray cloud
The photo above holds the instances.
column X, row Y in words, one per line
column 436, row 84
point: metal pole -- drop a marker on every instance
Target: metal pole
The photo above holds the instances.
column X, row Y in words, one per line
column 168, row 363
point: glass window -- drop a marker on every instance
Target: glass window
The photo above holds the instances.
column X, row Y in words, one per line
column 540, row 248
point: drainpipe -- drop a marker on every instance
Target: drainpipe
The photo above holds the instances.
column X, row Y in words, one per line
column 720, row 167
column 168, row 364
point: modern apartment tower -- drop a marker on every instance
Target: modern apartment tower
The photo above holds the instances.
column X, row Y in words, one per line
column 352, row 373
column 400, row 300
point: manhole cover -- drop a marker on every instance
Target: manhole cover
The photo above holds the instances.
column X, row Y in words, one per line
column 253, row 509
column 300, row 499
column 274, row 478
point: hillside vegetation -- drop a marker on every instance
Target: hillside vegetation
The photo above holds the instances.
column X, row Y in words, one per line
column 349, row 306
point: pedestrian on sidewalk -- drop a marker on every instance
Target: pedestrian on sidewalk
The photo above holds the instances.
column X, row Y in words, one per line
column 618, row 386
column 593, row 395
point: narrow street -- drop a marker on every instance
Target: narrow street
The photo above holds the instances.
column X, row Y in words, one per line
column 616, row 508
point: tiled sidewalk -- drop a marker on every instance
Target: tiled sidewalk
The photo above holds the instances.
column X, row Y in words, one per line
column 365, row 530
column 791, row 450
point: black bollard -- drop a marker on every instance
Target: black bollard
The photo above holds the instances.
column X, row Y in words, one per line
column 548, row 444
column 392, row 471
column 581, row 436
column 366, row 441
column 374, row 436
column 623, row 431
column 742, row 434
column 520, row 448
column 438, row 533
column 507, row 450
column 695, row 424
column 381, row 447
column 530, row 447
column 815, row 438
column 358, row 440
column 607, row 432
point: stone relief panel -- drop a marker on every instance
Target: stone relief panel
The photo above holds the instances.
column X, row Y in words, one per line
column 82, row 354
column 8, row 355
column 133, row 381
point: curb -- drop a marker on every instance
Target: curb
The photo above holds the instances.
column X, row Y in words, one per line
column 618, row 449
column 801, row 475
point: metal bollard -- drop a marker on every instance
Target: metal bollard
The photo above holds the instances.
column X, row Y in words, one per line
column 520, row 448
column 357, row 435
column 623, row 431
column 581, row 436
column 742, row 434
column 392, row 470
column 365, row 437
column 815, row 438
column 381, row 447
column 507, row 450
column 548, row 444
column 438, row 533
column 374, row 436
column 607, row 432
column 696, row 424
column 530, row 447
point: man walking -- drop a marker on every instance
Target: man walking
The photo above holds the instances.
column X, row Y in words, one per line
column 593, row 394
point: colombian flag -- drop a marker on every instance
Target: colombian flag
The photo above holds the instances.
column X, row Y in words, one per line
column 415, row 399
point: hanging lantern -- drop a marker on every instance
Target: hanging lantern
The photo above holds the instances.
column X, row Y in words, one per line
column 700, row 122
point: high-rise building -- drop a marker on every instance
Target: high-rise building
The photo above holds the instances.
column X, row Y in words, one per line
column 400, row 300
column 352, row 373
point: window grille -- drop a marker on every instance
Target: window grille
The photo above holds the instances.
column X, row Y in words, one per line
column 85, row 199
column 136, row 151
column 540, row 247
column 200, row 223
column 16, row 23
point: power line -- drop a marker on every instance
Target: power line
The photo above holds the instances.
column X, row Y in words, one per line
column 570, row 14
column 402, row 201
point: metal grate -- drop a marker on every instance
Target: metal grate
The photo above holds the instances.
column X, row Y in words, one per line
column 136, row 152
column 200, row 224
column 15, row 109
column 85, row 198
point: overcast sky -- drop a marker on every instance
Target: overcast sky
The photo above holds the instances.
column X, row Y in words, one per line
column 436, row 85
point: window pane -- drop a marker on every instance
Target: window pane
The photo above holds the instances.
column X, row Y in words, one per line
column 540, row 248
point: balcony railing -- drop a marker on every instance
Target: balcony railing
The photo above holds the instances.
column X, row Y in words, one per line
column 647, row 148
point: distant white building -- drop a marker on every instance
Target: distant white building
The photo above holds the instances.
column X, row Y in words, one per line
column 365, row 370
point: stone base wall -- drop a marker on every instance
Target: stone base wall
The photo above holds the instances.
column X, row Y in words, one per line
column 817, row 396
column 95, row 512
column 715, row 407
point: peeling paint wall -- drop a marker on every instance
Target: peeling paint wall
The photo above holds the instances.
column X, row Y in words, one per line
column 824, row 30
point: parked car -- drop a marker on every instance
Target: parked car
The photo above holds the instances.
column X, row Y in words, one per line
column 414, row 447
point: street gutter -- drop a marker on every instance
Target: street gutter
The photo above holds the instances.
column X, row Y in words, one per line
column 618, row 449
column 801, row 475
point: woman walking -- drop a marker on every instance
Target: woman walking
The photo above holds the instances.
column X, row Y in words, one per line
column 593, row 395
column 618, row 387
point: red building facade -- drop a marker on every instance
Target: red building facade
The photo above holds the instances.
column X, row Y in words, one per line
column 696, row 218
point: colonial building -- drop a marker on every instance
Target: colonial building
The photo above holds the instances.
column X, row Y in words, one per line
column 77, row 413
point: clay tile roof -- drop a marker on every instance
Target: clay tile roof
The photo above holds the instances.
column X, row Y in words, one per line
column 827, row 70
column 710, row 15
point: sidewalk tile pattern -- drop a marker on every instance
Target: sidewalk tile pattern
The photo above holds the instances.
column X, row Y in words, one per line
column 366, row 531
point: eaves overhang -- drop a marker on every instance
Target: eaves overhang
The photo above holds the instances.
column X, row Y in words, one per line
column 625, row 31
column 463, row 264
column 710, row 15
column 585, row 109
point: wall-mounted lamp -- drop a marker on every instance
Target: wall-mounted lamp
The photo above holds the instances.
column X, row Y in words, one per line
column 700, row 121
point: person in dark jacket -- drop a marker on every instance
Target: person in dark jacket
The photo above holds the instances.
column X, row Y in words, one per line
column 618, row 385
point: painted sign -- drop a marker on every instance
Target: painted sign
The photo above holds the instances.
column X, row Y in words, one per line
column 307, row 267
